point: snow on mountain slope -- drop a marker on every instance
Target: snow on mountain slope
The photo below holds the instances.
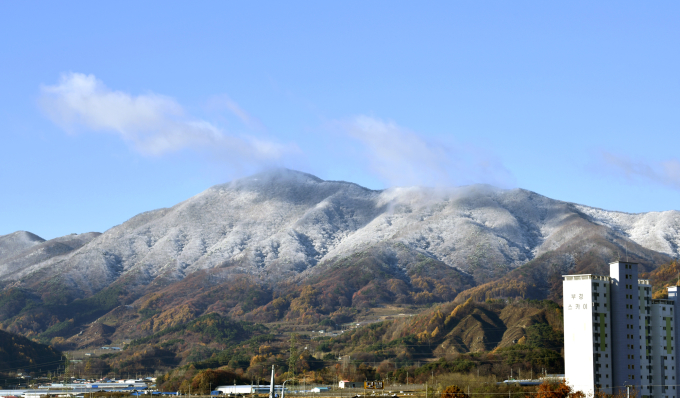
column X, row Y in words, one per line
column 283, row 222
column 14, row 243
column 658, row 231
column 39, row 253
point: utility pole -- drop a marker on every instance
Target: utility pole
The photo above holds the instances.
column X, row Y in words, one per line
column 283, row 388
column 272, row 393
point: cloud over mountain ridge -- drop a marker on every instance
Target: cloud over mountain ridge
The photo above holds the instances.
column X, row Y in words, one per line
column 282, row 223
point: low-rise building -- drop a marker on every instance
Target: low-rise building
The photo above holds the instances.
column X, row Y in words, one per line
column 350, row 384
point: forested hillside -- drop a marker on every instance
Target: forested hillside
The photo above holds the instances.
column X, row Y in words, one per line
column 19, row 354
column 293, row 253
column 486, row 337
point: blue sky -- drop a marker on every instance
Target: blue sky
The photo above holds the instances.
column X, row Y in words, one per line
column 108, row 109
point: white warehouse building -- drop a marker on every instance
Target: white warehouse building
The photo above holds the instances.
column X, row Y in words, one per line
column 617, row 337
column 248, row 389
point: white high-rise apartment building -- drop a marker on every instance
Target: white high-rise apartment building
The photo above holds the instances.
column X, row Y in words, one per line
column 616, row 336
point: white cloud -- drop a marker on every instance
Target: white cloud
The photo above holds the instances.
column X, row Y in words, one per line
column 153, row 124
column 665, row 173
column 402, row 157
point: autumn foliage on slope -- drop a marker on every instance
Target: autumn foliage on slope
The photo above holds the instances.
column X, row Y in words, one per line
column 466, row 335
column 18, row 352
column 663, row 277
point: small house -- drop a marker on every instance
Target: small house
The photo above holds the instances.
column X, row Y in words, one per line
column 350, row 384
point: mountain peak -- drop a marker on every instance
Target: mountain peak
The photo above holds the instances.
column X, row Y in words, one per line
column 284, row 174
column 287, row 184
column 270, row 177
column 17, row 242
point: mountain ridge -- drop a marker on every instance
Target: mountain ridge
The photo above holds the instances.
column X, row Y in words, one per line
column 309, row 250
column 330, row 219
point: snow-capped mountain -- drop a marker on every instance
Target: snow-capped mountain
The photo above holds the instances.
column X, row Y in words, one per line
column 282, row 223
